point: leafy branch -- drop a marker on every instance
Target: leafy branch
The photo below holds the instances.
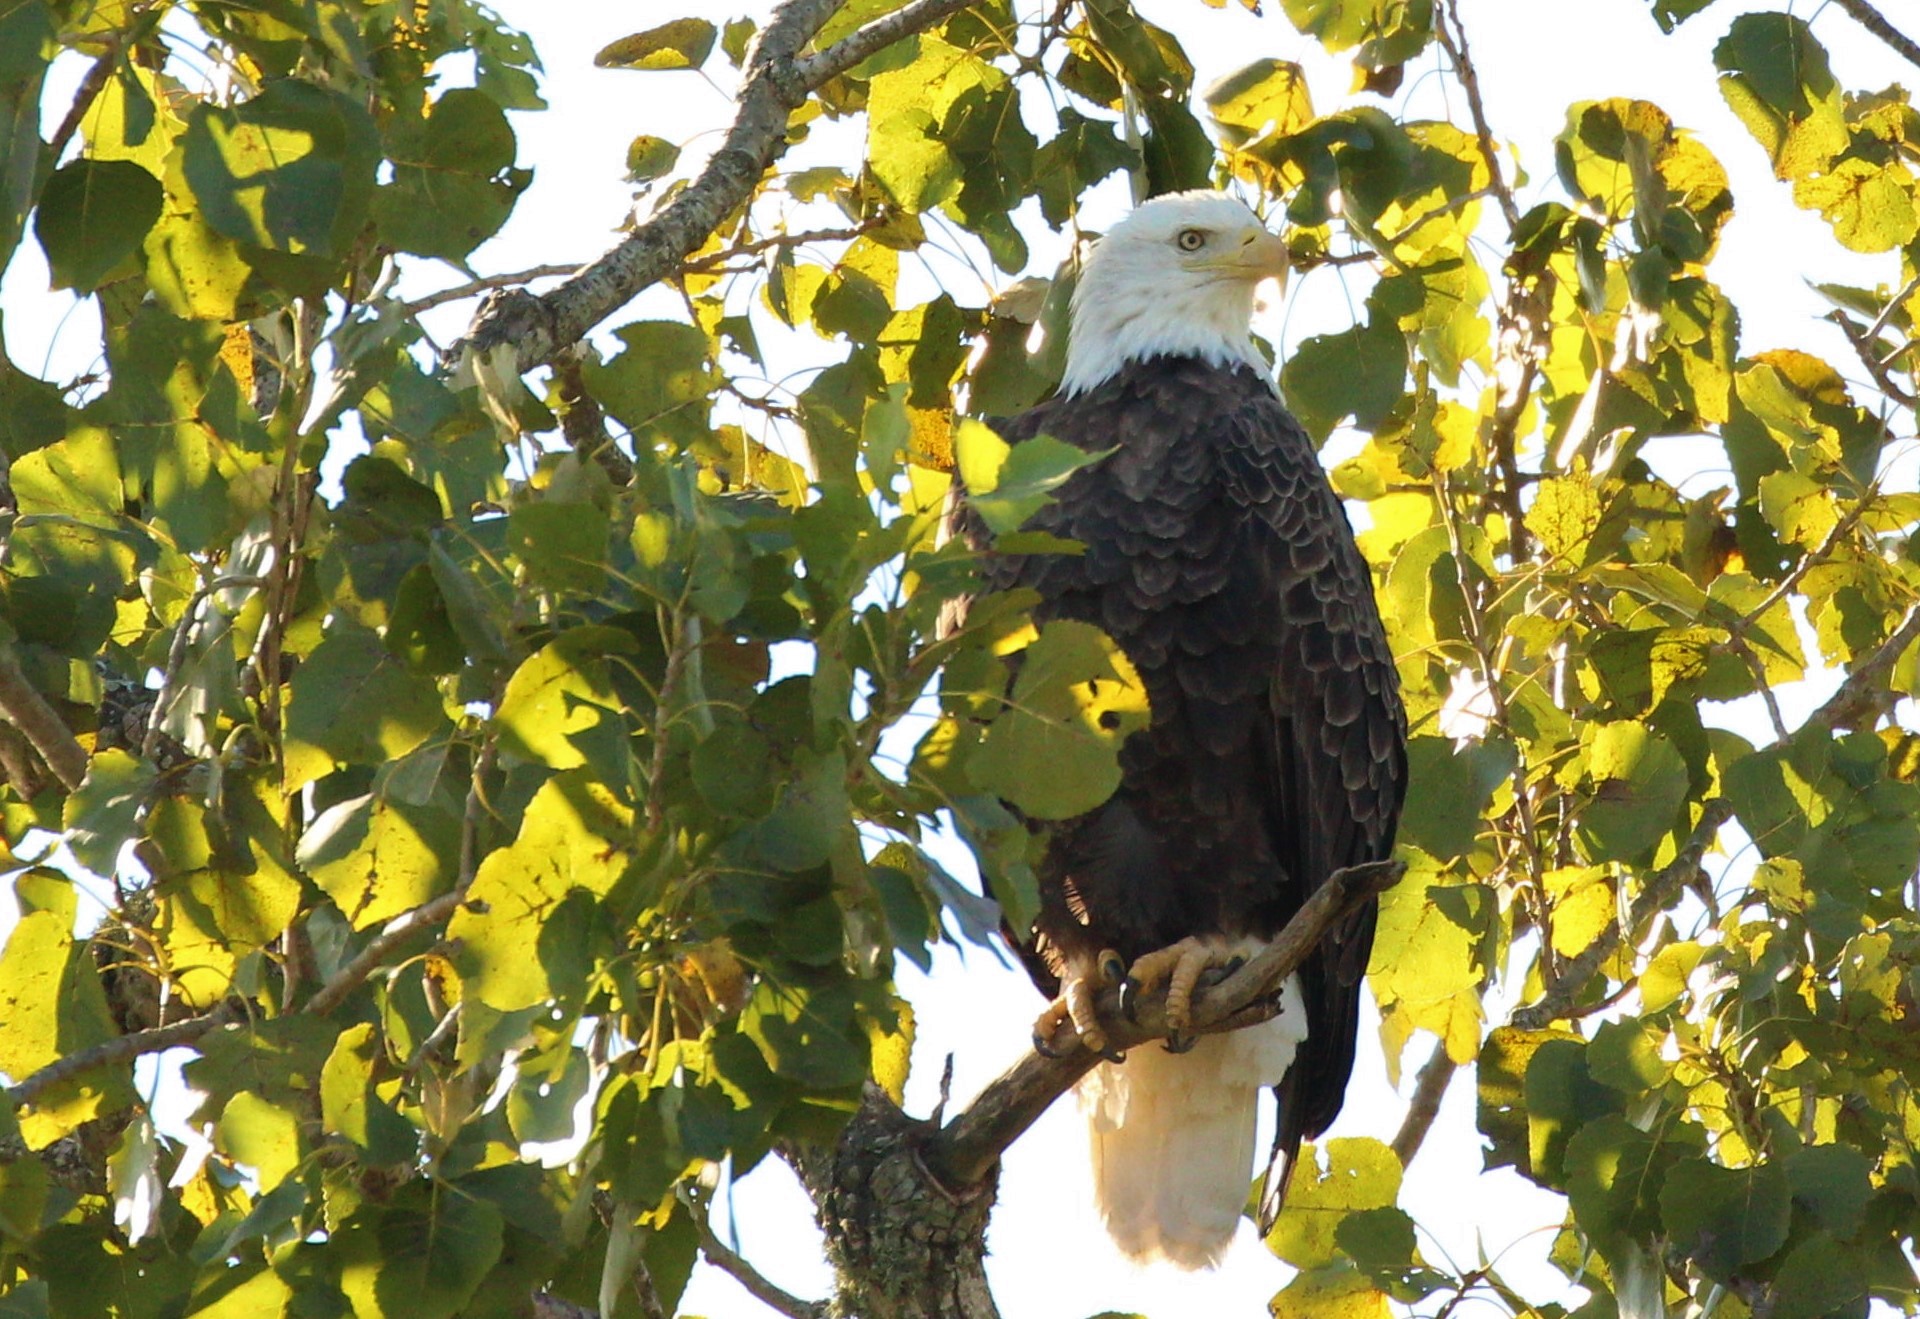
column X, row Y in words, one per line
column 529, row 330
column 1565, row 988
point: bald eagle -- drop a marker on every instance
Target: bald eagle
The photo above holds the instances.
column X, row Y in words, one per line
column 1218, row 557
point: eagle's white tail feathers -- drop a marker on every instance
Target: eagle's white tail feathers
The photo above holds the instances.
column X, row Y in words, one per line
column 1172, row 1137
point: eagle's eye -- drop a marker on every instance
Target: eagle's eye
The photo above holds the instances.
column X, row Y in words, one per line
column 1191, row 240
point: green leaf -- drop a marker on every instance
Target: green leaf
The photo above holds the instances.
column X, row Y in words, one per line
column 1449, row 788
column 560, row 705
column 1565, row 514
column 526, row 932
column 1360, row 373
column 1871, row 207
column 564, row 545
column 1639, row 782
column 102, row 815
column 52, row 1002
column 1268, row 97
column 683, row 43
column 422, row 1256
column 1833, row 1183
column 453, row 178
column 659, row 385
column 1007, row 484
column 650, row 157
column 261, row 1134
column 353, row 703
column 377, row 858
column 1775, row 77
column 93, row 216
column 290, row 170
column 1361, row 1174
column 1076, row 698
column 1726, row 1218
column 1614, row 1175
column 350, row 1106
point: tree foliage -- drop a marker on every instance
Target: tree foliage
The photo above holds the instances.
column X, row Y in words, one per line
column 461, row 736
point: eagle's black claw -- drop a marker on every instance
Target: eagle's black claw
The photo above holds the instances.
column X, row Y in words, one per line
column 1130, row 998
column 1113, row 1055
column 1043, row 1046
column 1178, row 1043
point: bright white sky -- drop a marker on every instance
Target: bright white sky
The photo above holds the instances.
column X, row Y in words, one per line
column 1050, row 1257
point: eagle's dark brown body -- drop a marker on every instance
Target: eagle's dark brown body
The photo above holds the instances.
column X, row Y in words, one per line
column 1221, row 561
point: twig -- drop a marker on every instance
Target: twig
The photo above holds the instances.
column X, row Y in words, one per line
column 1873, row 21
column 1863, row 348
column 1455, row 44
column 490, row 282
column 403, row 929
column 1659, row 890
column 778, row 81
column 122, row 1048
column 700, row 265
column 967, row 1150
column 22, row 706
column 1863, row 689
column 177, row 655
column 96, row 80
column 767, row 1293
column 1424, row 1107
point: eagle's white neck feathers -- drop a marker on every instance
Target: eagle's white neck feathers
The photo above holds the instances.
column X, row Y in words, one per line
column 1174, row 278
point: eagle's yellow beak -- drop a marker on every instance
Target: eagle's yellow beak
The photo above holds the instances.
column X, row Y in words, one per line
column 1263, row 253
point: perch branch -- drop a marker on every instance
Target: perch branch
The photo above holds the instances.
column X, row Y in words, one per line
column 23, row 707
column 1655, row 894
column 967, row 1150
column 777, row 82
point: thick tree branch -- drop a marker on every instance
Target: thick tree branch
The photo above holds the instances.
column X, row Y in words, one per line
column 1424, row 1107
column 778, row 79
column 967, row 1151
column 23, row 707
column 1659, row 890
column 1873, row 21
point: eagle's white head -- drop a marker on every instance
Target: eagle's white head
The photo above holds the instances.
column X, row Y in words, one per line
column 1176, row 277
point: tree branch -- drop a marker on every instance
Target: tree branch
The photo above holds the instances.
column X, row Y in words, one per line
column 1867, row 350
column 404, row 928
column 530, row 330
column 487, row 285
column 23, row 707
column 1655, row 894
column 1873, row 21
column 767, row 1293
column 1864, row 688
column 123, row 1048
column 1424, row 1107
column 969, row 1148
column 874, row 37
